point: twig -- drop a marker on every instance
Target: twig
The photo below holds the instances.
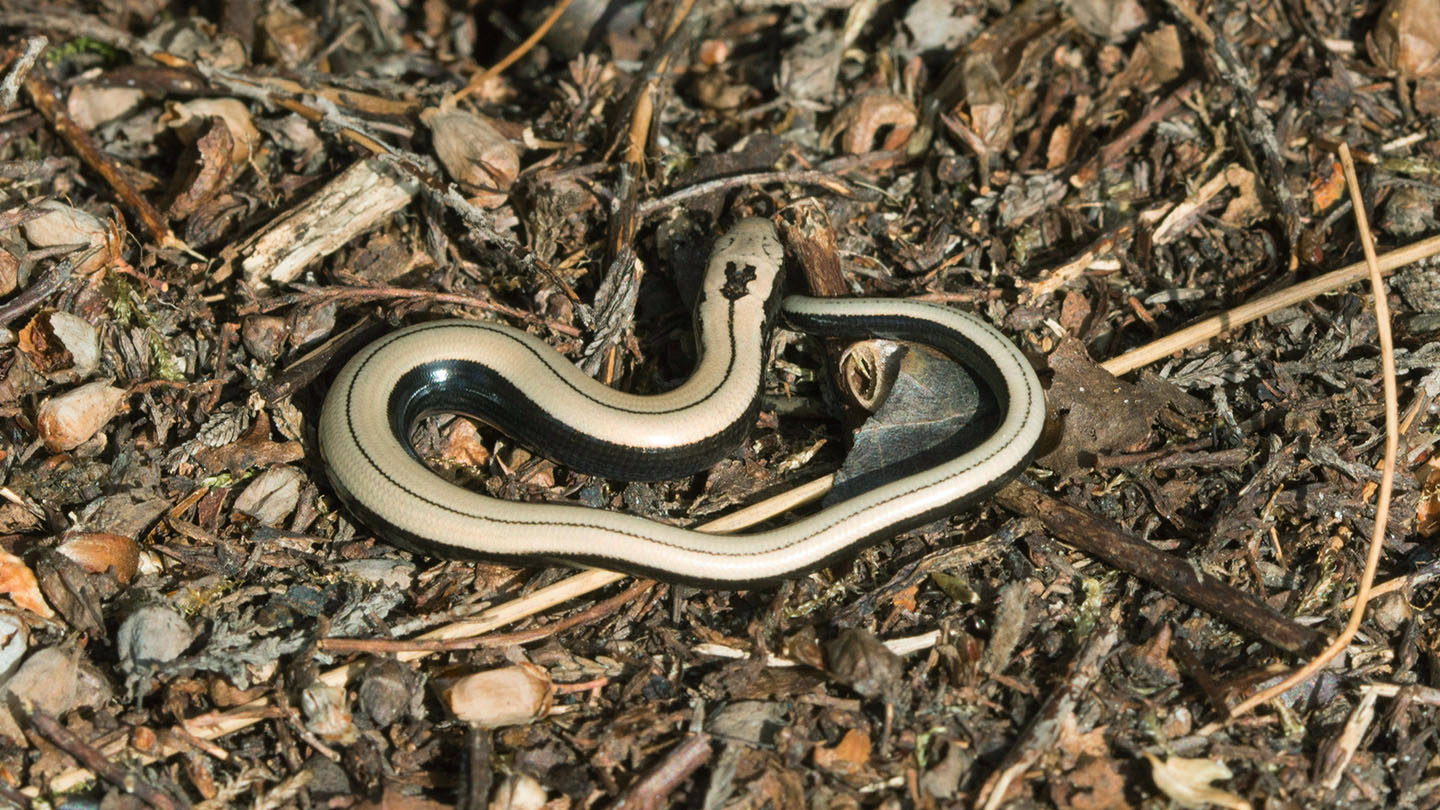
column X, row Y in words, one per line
column 802, row 177
column 39, row 290
column 241, row 717
column 1044, row 731
column 651, row 790
column 1387, row 481
column 326, row 294
column 1260, row 307
column 79, row 140
column 597, row 611
column 65, row 739
column 75, row 25
column 1101, row 538
column 19, row 69
column 520, row 50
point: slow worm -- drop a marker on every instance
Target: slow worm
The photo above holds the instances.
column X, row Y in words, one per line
column 520, row 385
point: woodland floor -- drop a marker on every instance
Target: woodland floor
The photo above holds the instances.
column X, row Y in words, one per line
column 207, row 210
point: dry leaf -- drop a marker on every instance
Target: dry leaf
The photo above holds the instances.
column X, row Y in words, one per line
column 1407, row 38
column 206, row 171
column 91, row 105
column 189, row 122
column 19, row 581
column 272, row 496
column 1327, row 184
column 1187, row 782
column 863, row 119
column 848, row 757
column 1097, row 784
column 1108, row 19
column 473, row 152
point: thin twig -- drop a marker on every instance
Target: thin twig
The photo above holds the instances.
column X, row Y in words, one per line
column 43, row 96
column 241, row 717
column 92, row 758
column 1260, row 307
column 328, row 294
column 1392, row 445
column 598, row 611
column 651, row 790
column 520, row 50
column 19, row 69
column 803, row 177
column 52, row 279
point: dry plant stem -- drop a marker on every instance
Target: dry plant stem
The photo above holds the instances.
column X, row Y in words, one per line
column 65, row 739
column 511, row 58
column 1102, row 539
column 598, row 611
column 209, row 727
column 328, row 294
column 1387, row 480
column 651, row 790
column 360, row 139
column 802, row 177
column 1045, row 729
column 1260, row 307
column 43, row 97
column 10, row 88
column 50, row 281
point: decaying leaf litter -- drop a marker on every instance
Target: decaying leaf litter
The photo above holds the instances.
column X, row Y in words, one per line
column 206, row 215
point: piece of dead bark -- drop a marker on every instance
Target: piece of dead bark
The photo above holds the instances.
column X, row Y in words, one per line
column 359, row 199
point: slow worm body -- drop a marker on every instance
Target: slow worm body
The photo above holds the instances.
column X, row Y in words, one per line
column 514, row 381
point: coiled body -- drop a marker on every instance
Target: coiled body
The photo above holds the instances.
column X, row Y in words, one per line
column 516, row 382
